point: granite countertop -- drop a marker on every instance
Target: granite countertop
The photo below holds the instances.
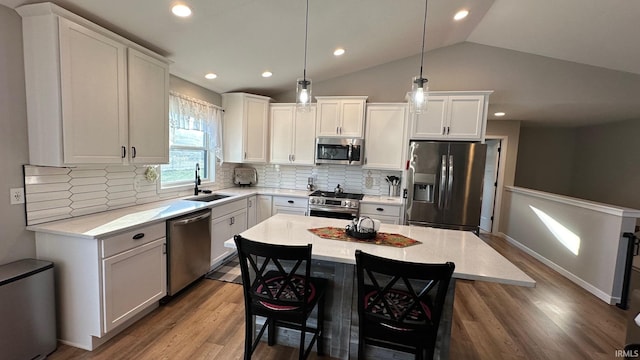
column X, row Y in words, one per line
column 474, row 259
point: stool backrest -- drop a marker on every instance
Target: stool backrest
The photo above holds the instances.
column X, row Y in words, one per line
column 275, row 276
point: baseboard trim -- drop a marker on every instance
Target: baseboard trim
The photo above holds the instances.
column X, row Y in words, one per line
column 562, row 271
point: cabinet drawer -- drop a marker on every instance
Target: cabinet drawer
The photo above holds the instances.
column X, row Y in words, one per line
column 378, row 209
column 125, row 241
column 228, row 208
column 290, row 201
column 384, row 219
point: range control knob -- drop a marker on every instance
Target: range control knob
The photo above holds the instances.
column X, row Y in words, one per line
column 354, row 205
column 347, row 203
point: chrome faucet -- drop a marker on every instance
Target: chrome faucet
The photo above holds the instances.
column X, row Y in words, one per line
column 197, row 191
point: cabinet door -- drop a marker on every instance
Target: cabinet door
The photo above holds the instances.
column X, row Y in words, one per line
column 222, row 229
column 238, row 224
column 385, row 136
column 220, row 232
column 352, row 118
column 465, row 117
column 133, row 280
column 94, row 96
column 148, row 109
column 264, row 207
column 256, row 130
column 289, row 210
column 431, row 123
column 304, row 139
column 282, row 128
column 328, row 118
column 252, row 211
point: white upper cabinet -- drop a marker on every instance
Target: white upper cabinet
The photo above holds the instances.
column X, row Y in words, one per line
column 292, row 135
column 385, row 140
column 246, row 121
column 148, row 109
column 93, row 97
column 340, row 116
column 455, row 115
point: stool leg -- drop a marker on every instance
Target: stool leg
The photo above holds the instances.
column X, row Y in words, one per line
column 248, row 336
column 303, row 331
column 271, row 336
column 320, row 343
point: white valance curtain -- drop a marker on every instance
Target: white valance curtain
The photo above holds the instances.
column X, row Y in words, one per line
column 193, row 114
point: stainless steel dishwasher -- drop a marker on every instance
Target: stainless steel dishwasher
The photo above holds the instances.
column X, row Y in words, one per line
column 189, row 249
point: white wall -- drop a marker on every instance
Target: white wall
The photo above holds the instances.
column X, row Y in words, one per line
column 598, row 265
column 15, row 242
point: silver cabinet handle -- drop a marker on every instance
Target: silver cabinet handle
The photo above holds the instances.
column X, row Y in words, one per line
column 124, row 152
column 245, row 155
column 133, row 152
column 293, row 158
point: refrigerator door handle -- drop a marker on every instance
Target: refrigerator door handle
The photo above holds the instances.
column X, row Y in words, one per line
column 443, row 181
column 450, row 184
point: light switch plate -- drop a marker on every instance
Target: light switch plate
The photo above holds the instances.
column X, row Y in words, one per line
column 16, row 195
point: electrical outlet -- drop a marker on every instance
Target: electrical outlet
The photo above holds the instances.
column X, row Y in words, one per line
column 16, row 195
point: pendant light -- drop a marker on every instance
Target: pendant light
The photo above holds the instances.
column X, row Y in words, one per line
column 419, row 86
column 303, row 86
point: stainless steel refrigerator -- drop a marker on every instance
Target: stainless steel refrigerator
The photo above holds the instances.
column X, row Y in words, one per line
column 444, row 184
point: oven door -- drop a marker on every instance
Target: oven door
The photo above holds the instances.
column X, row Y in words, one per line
column 346, row 214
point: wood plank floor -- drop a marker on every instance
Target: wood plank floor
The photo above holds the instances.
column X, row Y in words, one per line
column 555, row 320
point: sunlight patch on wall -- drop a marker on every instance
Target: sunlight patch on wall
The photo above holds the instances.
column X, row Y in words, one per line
column 566, row 237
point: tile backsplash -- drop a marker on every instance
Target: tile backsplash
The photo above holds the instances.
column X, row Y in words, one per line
column 54, row 193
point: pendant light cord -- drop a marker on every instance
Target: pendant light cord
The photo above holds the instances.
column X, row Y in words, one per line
column 424, row 31
column 306, row 32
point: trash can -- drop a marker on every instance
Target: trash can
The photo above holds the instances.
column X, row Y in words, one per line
column 27, row 310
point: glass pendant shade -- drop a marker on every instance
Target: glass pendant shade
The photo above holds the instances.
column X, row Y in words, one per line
column 303, row 94
column 418, row 97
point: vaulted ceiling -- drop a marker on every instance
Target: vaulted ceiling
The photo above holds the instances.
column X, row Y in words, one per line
column 582, row 58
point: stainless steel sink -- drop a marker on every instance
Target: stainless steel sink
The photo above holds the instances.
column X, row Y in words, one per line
column 209, row 198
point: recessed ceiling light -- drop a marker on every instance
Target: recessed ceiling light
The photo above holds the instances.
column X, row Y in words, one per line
column 181, row 10
column 211, row 76
column 500, row 113
column 461, row 14
column 267, row 74
column 338, row 52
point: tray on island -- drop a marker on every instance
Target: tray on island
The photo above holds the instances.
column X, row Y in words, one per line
column 361, row 235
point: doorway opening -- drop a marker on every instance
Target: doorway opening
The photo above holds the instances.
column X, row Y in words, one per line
column 491, row 196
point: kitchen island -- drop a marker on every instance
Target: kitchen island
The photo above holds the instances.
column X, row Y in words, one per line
column 334, row 259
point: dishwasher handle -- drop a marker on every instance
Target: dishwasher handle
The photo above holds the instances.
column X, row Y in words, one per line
column 191, row 219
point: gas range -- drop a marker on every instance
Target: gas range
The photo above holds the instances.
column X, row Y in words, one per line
column 334, row 205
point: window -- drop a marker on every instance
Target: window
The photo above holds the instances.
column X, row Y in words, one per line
column 194, row 138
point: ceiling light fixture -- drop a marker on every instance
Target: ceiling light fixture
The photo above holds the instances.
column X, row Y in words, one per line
column 500, row 113
column 419, row 87
column 267, row 74
column 303, row 86
column 181, row 10
column 338, row 52
column 461, row 14
column 210, row 76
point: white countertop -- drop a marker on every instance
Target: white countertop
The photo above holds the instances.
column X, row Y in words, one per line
column 383, row 200
column 111, row 222
column 474, row 259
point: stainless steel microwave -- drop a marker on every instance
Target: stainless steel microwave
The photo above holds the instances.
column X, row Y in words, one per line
column 339, row 151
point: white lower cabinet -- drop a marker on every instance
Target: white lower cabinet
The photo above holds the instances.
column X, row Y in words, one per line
column 103, row 285
column 264, row 207
column 252, row 211
column 227, row 220
column 133, row 280
column 387, row 214
column 289, row 205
